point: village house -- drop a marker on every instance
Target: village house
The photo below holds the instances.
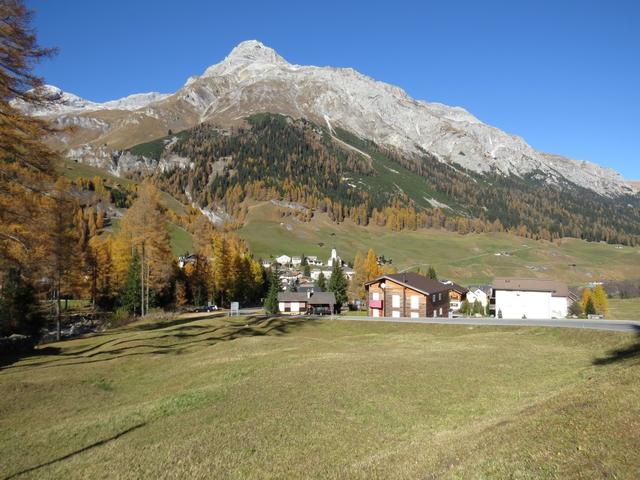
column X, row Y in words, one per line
column 313, row 260
column 457, row 294
column 290, row 277
column 187, row 259
column 266, row 263
column 325, row 270
column 480, row 294
column 296, row 261
column 284, row 260
column 407, row 295
column 308, row 287
column 529, row 298
column 348, row 272
column 311, row 303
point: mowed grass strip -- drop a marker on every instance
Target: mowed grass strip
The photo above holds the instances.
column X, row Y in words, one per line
column 290, row 398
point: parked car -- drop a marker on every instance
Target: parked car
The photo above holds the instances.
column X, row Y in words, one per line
column 206, row 308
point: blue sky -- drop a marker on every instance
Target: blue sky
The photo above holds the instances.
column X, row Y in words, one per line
column 565, row 75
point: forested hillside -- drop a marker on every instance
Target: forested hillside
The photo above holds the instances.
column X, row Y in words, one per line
column 276, row 157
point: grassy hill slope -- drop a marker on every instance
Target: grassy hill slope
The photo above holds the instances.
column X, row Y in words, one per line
column 290, row 398
column 467, row 258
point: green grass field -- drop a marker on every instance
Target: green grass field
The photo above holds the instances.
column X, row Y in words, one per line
column 624, row 309
column 465, row 258
column 289, row 398
column 181, row 240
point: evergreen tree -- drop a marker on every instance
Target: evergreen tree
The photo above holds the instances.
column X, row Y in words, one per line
column 130, row 298
column 307, row 270
column 464, row 307
column 356, row 286
column 432, row 273
column 575, row 309
column 271, row 301
column 322, row 282
column 590, row 309
column 338, row 285
column 18, row 307
column 477, row 308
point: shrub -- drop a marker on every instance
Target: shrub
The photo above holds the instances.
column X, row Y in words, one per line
column 120, row 318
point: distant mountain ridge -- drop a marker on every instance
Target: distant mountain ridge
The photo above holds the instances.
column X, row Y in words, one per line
column 255, row 79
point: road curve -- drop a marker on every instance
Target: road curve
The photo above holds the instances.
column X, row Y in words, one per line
column 610, row 325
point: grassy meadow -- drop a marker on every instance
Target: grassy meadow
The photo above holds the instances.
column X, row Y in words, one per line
column 465, row 258
column 624, row 309
column 243, row 398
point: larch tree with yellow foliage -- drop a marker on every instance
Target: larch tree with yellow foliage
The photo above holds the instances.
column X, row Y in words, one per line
column 600, row 300
column 60, row 254
column 584, row 298
column 26, row 163
column 371, row 266
column 143, row 229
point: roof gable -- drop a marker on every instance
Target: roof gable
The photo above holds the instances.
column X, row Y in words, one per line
column 557, row 289
column 316, row 298
column 414, row 281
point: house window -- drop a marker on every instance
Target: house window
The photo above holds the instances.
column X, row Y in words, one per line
column 395, row 301
column 415, row 302
column 439, row 296
column 440, row 312
column 433, row 298
column 376, row 296
column 395, row 314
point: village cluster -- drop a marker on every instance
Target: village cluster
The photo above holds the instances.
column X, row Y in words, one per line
column 412, row 295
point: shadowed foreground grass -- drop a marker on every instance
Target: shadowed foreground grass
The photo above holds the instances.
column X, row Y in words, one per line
column 288, row 398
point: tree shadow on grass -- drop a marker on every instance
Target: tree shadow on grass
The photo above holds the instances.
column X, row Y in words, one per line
column 76, row 452
column 626, row 353
column 171, row 323
column 183, row 340
column 8, row 359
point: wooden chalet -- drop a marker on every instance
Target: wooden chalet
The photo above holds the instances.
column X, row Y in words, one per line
column 311, row 303
column 407, row 295
column 457, row 294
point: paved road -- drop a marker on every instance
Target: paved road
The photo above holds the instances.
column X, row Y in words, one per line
column 611, row 325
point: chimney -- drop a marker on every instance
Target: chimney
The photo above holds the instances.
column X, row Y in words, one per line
column 404, row 278
column 308, row 293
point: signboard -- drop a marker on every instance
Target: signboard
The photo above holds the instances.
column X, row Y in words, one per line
column 235, row 308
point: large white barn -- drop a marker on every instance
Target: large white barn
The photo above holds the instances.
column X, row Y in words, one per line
column 529, row 298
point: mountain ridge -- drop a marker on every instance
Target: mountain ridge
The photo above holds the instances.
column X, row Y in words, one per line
column 253, row 78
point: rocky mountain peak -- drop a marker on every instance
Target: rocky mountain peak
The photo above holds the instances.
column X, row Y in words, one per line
column 247, row 53
column 253, row 78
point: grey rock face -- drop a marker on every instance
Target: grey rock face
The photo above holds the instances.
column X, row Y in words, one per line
column 254, row 78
